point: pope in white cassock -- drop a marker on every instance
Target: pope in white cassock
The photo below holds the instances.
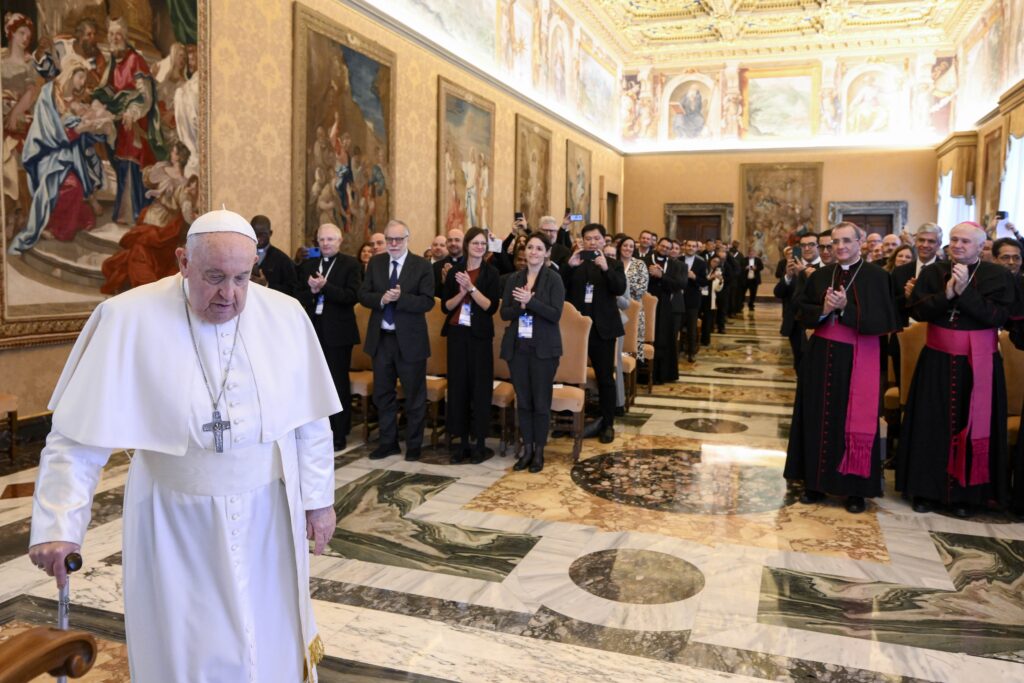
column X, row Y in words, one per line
column 222, row 391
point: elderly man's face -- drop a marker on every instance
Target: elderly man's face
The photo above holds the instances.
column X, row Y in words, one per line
column 550, row 231
column 397, row 239
column 329, row 238
column 1010, row 258
column 217, row 270
column 117, row 39
column 890, row 243
column 965, row 244
column 379, row 245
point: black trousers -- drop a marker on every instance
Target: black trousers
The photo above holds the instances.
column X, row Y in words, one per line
column 797, row 341
column 339, row 360
column 750, row 287
column 388, row 369
column 691, row 316
column 602, row 358
column 532, row 378
column 470, row 384
column 721, row 312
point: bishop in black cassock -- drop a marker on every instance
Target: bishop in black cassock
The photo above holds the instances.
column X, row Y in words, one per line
column 949, row 451
column 833, row 441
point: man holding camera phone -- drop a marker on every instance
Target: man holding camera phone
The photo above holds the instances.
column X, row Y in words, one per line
column 800, row 266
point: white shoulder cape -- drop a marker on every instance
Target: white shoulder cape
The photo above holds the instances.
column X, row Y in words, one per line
column 128, row 381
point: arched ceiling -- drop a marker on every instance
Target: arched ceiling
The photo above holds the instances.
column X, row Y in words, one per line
column 676, row 32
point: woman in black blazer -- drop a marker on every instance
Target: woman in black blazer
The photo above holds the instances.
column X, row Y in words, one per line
column 470, row 298
column 532, row 345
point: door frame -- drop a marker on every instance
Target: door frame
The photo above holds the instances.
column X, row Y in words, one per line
column 897, row 209
column 724, row 211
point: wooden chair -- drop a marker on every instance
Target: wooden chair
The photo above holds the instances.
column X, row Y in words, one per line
column 43, row 650
column 568, row 394
column 437, row 370
column 1013, row 366
column 504, row 396
column 650, row 304
column 360, row 373
column 911, row 341
column 629, row 346
column 9, row 407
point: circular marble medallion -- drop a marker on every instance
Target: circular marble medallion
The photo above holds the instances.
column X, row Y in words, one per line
column 739, row 371
column 711, row 425
column 677, row 481
column 639, row 577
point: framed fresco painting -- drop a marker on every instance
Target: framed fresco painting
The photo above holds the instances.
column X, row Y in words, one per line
column 577, row 180
column 781, row 102
column 993, row 174
column 343, row 127
column 778, row 203
column 139, row 162
column 465, row 158
column 533, row 170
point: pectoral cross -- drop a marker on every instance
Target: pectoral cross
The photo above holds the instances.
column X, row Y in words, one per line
column 953, row 314
column 217, row 426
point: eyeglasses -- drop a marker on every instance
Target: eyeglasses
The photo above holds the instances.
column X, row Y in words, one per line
column 395, row 240
column 825, row 247
column 1012, row 258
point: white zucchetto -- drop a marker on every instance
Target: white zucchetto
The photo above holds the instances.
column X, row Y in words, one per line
column 222, row 220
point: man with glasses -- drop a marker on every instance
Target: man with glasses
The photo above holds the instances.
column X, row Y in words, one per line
column 825, row 247
column 398, row 288
column 1007, row 253
column 559, row 252
column 800, row 266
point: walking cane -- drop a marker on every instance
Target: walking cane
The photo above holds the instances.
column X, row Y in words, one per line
column 72, row 563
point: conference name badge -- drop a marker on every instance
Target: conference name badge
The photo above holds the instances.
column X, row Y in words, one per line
column 465, row 314
column 588, row 295
column 320, row 305
column 526, row 326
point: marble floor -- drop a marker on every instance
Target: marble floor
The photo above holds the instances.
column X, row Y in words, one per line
column 675, row 553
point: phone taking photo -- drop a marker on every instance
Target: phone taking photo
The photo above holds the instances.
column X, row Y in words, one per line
column 588, row 255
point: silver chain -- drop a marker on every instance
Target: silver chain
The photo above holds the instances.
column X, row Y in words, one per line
column 195, row 347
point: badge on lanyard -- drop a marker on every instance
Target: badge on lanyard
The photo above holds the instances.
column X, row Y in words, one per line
column 705, row 291
column 588, row 295
column 526, row 326
column 465, row 314
column 320, row 304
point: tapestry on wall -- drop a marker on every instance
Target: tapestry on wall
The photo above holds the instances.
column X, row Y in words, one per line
column 465, row 158
column 343, row 121
column 533, row 170
column 104, row 154
column 577, row 180
column 993, row 175
column 780, row 202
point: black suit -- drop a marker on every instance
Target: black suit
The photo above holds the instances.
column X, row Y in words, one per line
column 668, row 289
column 750, row 280
column 393, row 362
column 335, row 325
column 279, row 271
column 607, row 325
column 438, row 266
column 533, row 362
column 731, row 272
column 692, row 298
column 789, row 294
column 470, row 355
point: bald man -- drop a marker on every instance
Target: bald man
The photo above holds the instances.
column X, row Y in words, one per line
column 953, row 448
column 328, row 289
column 890, row 243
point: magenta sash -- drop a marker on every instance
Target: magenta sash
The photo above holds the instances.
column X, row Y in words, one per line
column 862, row 403
column 978, row 346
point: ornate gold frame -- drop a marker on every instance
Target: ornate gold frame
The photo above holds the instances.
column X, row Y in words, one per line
column 741, row 229
column 569, row 147
column 40, row 330
column 307, row 20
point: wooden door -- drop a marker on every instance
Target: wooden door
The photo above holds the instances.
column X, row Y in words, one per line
column 612, row 226
column 700, row 228
column 880, row 223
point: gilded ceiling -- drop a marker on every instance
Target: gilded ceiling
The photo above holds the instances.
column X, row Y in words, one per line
column 667, row 32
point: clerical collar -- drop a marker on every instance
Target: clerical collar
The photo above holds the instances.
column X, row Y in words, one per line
column 849, row 266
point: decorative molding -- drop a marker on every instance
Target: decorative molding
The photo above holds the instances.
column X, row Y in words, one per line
column 1012, row 98
column 954, row 141
column 724, row 210
column 897, row 209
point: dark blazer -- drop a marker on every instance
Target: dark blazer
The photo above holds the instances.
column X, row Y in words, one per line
column 337, row 324
column 789, row 294
column 560, row 254
column 691, row 293
column 279, row 270
column 439, row 265
column 671, row 284
column 901, row 275
column 481, row 323
column 417, row 283
column 758, row 266
column 546, row 308
column 607, row 285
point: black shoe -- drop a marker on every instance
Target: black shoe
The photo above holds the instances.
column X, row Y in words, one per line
column 412, row 454
column 593, row 428
column 340, row 443
column 961, row 511
column 922, row 505
column 689, row 358
column 384, row 450
column 479, row 454
column 607, row 435
column 459, row 455
column 537, row 463
column 620, row 411
column 524, row 460
column 855, row 504
column 809, row 497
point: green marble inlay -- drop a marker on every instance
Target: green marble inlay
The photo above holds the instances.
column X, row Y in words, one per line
column 373, row 526
column 984, row 616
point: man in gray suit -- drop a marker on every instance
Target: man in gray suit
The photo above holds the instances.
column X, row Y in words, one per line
column 398, row 288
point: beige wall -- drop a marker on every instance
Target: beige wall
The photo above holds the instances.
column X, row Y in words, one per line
column 30, row 374
column 252, row 120
column 848, row 175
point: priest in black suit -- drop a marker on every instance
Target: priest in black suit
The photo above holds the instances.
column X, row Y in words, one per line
column 953, row 443
column 666, row 282
column 328, row 292
column 273, row 268
column 834, row 447
column 398, row 288
column 697, row 283
column 592, row 283
column 796, row 271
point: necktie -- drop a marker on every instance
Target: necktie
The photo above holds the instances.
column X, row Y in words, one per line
column 389, row 309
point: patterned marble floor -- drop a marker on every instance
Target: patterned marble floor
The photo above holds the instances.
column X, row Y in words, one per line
column 676, row 553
